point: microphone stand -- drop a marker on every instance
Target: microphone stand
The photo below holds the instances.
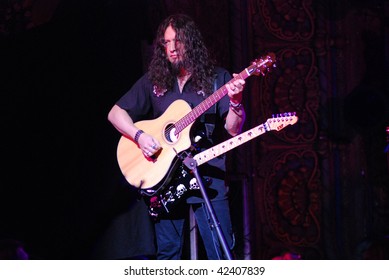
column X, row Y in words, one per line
column 191, row 163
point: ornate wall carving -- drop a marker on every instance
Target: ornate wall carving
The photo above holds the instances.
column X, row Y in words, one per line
column 286, row 169
column 312, row 193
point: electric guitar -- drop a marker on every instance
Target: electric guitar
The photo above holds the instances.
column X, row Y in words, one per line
column 163, row 200
column 172, row 129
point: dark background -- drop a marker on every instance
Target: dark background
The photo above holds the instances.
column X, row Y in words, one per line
column 65, row 63
column 61, row 185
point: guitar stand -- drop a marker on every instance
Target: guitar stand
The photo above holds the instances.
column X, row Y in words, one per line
column 191, row 163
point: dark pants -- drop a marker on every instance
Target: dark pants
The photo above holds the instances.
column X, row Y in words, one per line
column 170, row 231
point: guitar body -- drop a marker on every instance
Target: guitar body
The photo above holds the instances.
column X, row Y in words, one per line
column 144, row 172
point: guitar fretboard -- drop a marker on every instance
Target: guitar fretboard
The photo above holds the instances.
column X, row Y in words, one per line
column 189, row 118
column 275, row 123
column 229, row 144
column 204, row 106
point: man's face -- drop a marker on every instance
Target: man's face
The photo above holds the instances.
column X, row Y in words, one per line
column 173, row 47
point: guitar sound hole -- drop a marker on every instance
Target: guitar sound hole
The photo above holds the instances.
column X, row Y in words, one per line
column 170, row 134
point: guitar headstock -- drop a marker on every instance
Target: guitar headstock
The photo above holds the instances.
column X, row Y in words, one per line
column 280, row 121
column 262, row 65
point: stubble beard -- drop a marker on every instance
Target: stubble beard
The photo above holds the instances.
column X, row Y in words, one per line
column 179, row 68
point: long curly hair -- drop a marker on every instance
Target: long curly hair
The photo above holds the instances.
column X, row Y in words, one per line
column 197, row 59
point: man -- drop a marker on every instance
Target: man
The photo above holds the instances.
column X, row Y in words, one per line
column 181, row 68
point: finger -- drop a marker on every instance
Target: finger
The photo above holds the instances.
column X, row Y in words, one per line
column 231, row 87
column 239, row 82
column 154, row 147
column 239, row 87
column 235, row 89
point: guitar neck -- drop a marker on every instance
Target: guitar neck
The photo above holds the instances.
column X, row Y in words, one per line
column 230, row 144
column 189, row 118
column 206, row 104
column 276, row 123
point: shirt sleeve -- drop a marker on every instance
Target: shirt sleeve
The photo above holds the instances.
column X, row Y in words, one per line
column 136, row 101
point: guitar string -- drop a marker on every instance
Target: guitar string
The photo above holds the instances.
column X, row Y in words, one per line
column 206, row 104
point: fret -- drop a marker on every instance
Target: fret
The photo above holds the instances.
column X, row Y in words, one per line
column 255, row 68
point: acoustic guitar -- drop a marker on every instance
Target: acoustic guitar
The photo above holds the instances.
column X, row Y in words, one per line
column 172, row 129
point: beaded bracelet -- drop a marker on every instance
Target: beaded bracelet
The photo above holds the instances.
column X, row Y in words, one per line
column 138, row 134
column 235, row 105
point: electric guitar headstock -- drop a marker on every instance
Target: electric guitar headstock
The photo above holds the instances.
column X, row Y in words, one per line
column 262, row 65
column 280, row 121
